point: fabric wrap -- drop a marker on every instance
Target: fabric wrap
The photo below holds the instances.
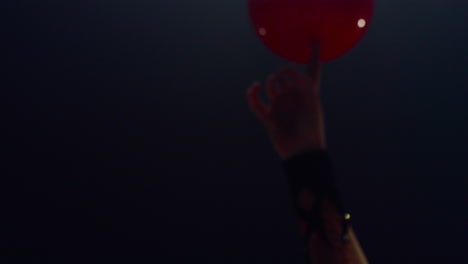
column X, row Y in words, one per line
column 313, row 170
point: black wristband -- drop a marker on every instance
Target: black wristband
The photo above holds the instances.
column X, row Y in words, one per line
column 313, row 170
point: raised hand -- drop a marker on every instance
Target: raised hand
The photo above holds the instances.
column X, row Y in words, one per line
column 293, row 117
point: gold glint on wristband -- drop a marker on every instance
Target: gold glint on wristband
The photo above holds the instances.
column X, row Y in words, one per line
column 346, row 223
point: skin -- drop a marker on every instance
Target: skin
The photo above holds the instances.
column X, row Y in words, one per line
column 294, row 121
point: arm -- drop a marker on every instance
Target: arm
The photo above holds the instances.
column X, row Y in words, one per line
column 294, row 122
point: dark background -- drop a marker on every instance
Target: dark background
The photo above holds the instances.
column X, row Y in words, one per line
column 126, row 137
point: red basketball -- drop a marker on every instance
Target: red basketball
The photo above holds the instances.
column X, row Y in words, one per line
column 290, row 27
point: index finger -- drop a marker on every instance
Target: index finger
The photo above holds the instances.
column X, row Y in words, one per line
column 313, row 68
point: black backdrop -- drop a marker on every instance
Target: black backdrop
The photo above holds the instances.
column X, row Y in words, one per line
column 126, row 137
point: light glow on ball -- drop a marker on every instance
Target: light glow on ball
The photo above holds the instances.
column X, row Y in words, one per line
column 361, row 23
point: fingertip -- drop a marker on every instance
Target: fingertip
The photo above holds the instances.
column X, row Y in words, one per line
column 252, row 87
column 272, row 78
column 253, row 92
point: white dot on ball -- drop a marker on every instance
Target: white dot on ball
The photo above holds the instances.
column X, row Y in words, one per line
column 361, row 23
column 262, row 31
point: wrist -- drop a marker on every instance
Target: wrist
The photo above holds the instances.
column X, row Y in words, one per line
column 291, row 151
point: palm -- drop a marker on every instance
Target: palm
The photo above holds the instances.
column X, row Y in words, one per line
column 293, row 118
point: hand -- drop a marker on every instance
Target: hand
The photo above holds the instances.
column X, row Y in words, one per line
column 293, row 118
